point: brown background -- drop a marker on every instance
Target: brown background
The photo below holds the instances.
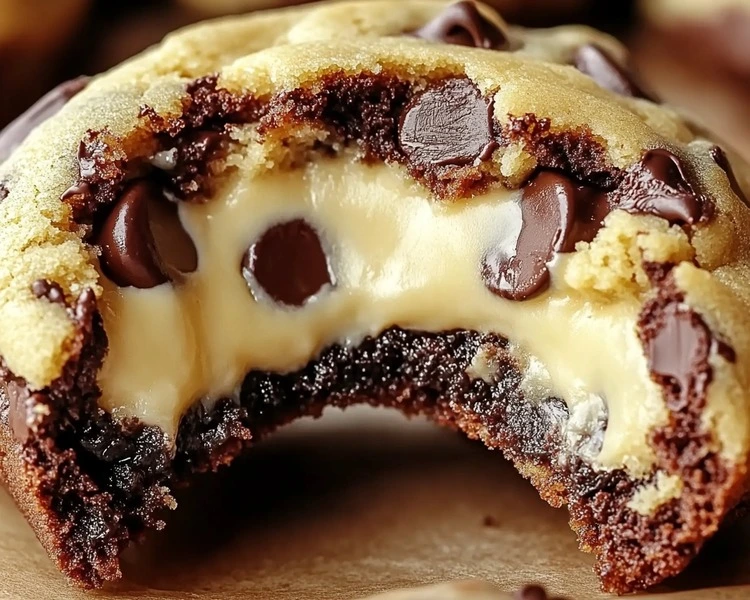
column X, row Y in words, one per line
column 351, row 505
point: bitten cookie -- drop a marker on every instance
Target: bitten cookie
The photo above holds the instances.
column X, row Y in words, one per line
column 405, row 204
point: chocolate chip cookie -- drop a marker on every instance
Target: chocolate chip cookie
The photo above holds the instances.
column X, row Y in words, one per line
column 405, row 204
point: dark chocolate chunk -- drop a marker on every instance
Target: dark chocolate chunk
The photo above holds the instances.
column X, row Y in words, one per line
column 557, row 213
column 143, row 241
column 448, row 124
column 658, row 186
column 288, row 262
column 679, row 347
column 3, row 192
column 462, row 24
column 603, row 68
column 48, row 106
column 51, row 290
column 721, row 159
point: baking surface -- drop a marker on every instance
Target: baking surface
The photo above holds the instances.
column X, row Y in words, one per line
column 354, row 504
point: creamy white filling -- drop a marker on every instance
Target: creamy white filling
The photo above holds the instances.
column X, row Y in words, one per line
column 401, row 258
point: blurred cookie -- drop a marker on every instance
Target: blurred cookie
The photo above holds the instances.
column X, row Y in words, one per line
column 694, row 54
column 521, row 11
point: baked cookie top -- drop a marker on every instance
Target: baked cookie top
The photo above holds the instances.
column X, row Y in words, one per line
column 645, row 249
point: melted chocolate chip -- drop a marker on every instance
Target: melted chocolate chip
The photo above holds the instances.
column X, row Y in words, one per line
column 51, row 290
column 462, row 24
column 598, row 64
column 721, row 159
column 725, row 351
column 18, row 410
column 102, row 165
column 142, row 240
column 557, row 213
column 449, row 124
column 679, row 348
column 288, row 262
column 658, row 186
column 77, row 190
column 48, row 106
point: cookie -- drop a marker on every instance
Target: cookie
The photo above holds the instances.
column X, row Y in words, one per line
column 409, row 205
column 694, row 54
column 537, row 12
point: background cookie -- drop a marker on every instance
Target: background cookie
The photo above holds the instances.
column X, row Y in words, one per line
column 694, row 54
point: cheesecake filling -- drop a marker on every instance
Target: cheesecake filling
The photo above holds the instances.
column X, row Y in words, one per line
column 291, row 261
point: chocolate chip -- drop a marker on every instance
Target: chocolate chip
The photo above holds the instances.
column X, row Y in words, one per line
column 557, row 213
column 51, row 290
column 532, row 592
column 288, row 263
column 449, row 124
column 3, row 192
column 142, row 240
column 48, row 106
column 102, row 164
column 658, row 186
column 490, row 521
column 19, row 407
column 721, row 159
column 603, row 68
column 462, row 24
column 679, row 348
column 77, row 190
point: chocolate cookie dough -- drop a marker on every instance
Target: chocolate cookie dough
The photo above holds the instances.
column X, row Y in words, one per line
column 355, row 202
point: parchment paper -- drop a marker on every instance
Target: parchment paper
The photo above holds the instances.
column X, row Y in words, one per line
column 351, row 505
